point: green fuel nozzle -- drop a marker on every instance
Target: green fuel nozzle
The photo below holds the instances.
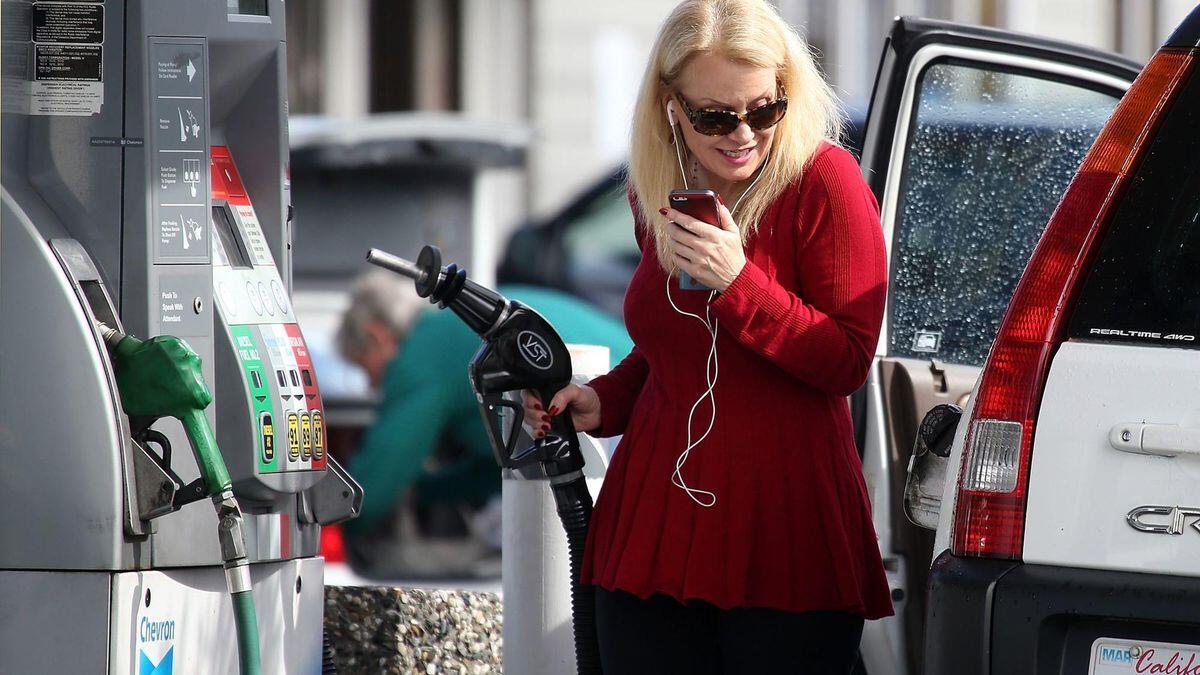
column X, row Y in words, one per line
column 162, row 377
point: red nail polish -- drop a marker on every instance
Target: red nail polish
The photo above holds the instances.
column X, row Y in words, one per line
column 537, row 406
column 553, row 410
column 663, row 211
column 539, row 435
column 721, row 200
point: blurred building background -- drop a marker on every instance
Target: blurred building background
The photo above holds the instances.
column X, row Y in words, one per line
column 456, row 122
column 569, row 69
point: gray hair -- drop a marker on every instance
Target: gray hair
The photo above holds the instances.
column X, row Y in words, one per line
column 381, row 296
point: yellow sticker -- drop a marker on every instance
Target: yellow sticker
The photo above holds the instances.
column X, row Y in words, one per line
column 293, row 437
column 268, row 436
column 306, row 436
column 318, row 423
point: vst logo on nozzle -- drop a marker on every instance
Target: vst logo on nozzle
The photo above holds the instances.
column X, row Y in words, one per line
column 535, row 350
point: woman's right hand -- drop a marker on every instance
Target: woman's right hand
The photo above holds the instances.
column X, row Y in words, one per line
column 582, row 401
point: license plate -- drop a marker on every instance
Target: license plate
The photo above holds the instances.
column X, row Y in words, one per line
column 1115, row 656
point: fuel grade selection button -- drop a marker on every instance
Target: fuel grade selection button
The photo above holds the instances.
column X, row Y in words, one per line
column 293, row 437
column 268, row 436
column 265, row 299
column 281, row 299
column 255, row 299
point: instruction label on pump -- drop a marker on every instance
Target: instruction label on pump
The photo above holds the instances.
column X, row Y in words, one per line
column 178, row 137
column 180, row 304
column 254, row 236
column 63, row 22
column 68, row 58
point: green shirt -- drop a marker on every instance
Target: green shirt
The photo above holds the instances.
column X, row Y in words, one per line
column 426, row 399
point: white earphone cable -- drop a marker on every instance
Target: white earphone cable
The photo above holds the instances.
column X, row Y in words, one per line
column 677, row 140
column 712, row 364
column 711, row 371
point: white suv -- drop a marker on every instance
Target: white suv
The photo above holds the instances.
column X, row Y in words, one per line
column 1069, row 541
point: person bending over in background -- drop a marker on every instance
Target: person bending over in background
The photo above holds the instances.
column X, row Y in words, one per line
column 427, row 448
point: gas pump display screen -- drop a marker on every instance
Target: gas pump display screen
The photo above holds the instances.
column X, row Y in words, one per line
column 230, row 241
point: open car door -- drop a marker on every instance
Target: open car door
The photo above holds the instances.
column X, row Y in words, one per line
column 972, row 136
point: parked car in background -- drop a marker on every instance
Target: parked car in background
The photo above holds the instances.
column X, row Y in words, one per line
column 1069, row 538
column 970, row 139
column 586, row 249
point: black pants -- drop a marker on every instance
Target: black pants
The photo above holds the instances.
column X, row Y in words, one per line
column 659, row 635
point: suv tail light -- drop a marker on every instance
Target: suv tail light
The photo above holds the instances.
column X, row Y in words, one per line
column 992, row 486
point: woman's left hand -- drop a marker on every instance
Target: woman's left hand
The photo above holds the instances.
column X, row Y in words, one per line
column 712, row 255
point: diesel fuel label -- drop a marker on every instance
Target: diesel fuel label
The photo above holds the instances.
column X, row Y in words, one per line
column 68, row 23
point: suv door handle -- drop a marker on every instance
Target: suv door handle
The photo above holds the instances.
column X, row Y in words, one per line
column 1165, row 440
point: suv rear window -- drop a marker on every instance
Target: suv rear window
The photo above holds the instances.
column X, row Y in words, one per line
column 989, row 156
column 1145, row 284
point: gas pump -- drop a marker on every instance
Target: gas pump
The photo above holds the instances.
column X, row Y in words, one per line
column 145, row 192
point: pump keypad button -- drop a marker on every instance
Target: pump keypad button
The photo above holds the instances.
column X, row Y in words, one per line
column 256, row 302
column 293, row 437
column 268, row 436
column 280, row 296
column 306, row 436
column 265, row 300
column 318, row 424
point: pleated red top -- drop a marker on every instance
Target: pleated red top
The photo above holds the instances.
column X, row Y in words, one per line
column 791, row 528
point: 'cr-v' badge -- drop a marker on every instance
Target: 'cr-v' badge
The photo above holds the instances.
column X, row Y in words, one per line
column 1171, row 519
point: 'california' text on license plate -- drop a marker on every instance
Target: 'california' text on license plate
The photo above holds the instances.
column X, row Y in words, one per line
column 1113, row 656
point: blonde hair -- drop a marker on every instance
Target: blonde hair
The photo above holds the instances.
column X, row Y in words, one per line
column 745, row 31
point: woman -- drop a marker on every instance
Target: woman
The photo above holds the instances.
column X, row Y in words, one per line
column 733, row 532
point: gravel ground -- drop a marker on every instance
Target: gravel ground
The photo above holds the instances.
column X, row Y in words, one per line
column 376, row 629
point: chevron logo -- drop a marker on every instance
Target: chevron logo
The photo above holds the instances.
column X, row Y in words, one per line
column 163, row 667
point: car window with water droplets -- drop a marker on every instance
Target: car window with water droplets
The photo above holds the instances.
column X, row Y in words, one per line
column 989, row 155
column 1144, row 285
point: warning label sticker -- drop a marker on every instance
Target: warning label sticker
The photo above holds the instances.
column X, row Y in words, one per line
column 65, row 98
column 68, row 62
column 68, row 58
column 68, row 23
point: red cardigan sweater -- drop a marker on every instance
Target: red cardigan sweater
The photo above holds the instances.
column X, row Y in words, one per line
column 791, row 528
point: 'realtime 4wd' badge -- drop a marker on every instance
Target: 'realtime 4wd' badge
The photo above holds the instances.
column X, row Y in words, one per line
column 1114, row 656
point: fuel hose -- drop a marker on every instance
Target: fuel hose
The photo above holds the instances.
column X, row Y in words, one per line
column 161, row 377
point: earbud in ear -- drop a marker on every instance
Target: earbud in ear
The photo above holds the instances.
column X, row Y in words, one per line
column 670, row 123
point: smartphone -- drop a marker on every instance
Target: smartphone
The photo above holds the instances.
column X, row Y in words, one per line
column 701, row 205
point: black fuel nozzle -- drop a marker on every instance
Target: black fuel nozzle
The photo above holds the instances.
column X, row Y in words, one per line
column 448, row 287
column 520, row 350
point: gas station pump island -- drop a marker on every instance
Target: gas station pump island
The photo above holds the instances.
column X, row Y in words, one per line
column 146, row 193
